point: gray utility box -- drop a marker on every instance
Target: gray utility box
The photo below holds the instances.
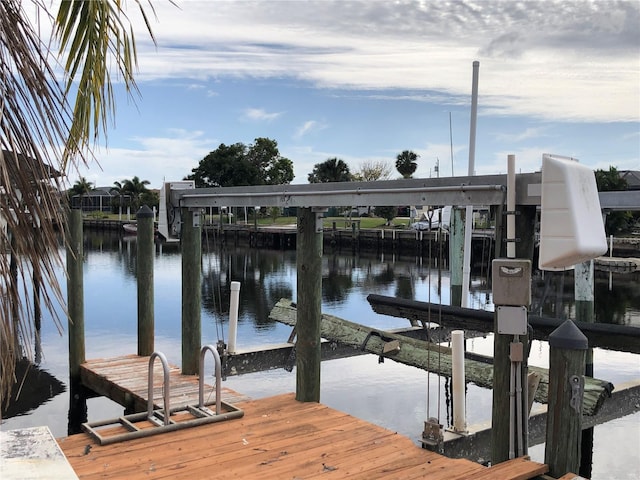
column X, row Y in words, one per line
column 511, row 279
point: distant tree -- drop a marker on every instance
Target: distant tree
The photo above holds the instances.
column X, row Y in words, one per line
column 134, row 189
column 388, row 213
column 238, row 165
column 81, row 188
column 150, row 199
column 371, row 171
column 608, row 181
column 406, row 163
column 274, row 213
column 331, row 170
column 272, row 168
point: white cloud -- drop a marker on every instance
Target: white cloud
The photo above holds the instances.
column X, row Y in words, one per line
column 158, row 159
column 555, row 59
column 258, row 114
column 308, row 127
column 527, row 134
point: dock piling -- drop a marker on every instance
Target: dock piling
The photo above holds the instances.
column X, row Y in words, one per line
column 75, row 294
column 75, row 304
column 191, row 290
column 567, row 353
column 309, row 300
column 144, row 266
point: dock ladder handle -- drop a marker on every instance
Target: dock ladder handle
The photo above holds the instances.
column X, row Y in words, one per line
column 166, row 393
column 218, row 372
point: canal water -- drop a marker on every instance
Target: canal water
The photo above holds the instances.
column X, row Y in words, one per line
column 387, row 394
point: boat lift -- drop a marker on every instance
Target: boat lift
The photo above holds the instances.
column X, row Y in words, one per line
column 156, row 421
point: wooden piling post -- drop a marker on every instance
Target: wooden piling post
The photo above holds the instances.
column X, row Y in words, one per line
column 191, row 240
column 144, row 267
column 75, row 293
column 584, row 297
column 456, row 254
column 567, row 352
column 500, row 431
column 309, row 301
column 75, row 305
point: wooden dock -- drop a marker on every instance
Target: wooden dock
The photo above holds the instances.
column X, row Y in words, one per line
column 279, row 437
column 125, row 381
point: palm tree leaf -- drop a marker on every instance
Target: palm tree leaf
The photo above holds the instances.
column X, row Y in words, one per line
column 93, row 36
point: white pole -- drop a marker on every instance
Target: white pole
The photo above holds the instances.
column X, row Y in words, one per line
column 458, row 380
column 511, row 206
column 468, row 221
column 233, row 316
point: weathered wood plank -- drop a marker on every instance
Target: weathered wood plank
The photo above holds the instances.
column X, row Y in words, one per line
column 125, row 381
column 428, row 356
column 278, row 437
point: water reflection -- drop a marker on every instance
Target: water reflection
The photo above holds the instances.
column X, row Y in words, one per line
column 33, row 388
column 352, row 385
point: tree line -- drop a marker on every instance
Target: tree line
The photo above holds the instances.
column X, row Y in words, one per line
column 132, row 193
column 261, row 163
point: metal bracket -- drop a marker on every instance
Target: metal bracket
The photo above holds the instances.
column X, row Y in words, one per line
column 319, row 211
column 577, row 392
column 433, row 435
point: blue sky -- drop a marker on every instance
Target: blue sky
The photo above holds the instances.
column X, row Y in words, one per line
column 366, row 80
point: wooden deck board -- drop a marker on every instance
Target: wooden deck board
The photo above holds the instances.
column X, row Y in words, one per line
column 125, row 380
column 277, row 438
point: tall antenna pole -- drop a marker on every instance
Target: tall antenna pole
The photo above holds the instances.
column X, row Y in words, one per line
column 468, row 225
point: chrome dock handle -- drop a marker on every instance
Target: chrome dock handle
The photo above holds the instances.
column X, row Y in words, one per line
column 166, row 393
column 218, row 372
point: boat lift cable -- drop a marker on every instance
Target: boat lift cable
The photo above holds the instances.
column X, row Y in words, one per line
column 429, row 325
column 217, row 321
column 439, row 303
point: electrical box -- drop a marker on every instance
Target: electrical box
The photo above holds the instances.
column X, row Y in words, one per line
column 511, row 320
column 511, row 279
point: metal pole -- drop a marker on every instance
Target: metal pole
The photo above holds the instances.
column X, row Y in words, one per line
column 458, row 380
column 233, row 316
column 511, row 206
column 466, row 268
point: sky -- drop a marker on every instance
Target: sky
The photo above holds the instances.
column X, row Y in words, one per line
column 365, row 80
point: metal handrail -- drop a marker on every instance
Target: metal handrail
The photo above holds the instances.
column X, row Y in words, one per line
column 218, row 370
column 166, row 393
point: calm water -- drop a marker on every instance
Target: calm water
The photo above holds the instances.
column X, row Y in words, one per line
column 387, row 394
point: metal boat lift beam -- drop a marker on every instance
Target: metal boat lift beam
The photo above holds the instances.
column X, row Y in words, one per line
column 470, row 190
column 487, row 190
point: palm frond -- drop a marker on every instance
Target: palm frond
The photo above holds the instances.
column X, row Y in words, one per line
column 33, row 121
column 94, row 35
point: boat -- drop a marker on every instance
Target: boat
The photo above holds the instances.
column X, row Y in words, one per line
column 130, row 228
